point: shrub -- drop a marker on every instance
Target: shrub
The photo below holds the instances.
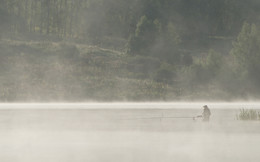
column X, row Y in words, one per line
column 165, row 74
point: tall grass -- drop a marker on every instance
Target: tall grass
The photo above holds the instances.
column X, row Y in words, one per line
column 248, row 114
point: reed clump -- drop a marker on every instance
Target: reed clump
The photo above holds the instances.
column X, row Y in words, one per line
column 248, row 114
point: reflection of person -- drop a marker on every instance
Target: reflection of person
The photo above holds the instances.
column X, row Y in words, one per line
column 206, row 113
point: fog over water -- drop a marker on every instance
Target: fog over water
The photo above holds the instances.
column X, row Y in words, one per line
column 131, row 105
column 128, row 132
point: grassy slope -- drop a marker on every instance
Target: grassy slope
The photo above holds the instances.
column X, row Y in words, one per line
column 48, row 71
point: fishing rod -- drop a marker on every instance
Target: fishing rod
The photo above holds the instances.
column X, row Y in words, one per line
column 166, row 117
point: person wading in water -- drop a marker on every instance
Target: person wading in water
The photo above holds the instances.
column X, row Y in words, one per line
column 206, row 113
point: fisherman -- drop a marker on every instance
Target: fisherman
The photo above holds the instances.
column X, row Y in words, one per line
column 206, row 113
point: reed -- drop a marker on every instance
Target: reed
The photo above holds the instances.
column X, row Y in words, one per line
column 248, row 114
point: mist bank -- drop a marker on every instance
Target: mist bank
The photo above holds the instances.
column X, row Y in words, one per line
column 131, row 105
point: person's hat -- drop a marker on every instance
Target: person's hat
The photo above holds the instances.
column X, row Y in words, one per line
column 205, row 106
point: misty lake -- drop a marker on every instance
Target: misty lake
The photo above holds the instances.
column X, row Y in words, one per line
column 127, row 132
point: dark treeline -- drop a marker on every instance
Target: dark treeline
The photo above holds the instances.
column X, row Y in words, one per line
column 189, row 19
column 171, row 49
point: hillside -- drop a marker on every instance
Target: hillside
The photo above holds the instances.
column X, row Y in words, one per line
column 114, row 50
column 51, row 71
column 66, row 71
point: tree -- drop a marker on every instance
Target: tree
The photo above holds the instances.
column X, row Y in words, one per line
column 246, row 50
column 166, row 73
column 144, row 37
column 3, row 16
column 214, row 62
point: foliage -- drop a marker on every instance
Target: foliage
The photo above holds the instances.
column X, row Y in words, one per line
column 246, row 51
column 96, row 18
column 202, row 72
column 145, row 35
column 186, row 59
column 172, row 35
column 214, row 62
column 143, row 65
column 248, row 114
column 130, row 49
column 37, row 71
column 165, row 74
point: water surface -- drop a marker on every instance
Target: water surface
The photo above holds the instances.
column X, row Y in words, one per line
column 126, row 132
